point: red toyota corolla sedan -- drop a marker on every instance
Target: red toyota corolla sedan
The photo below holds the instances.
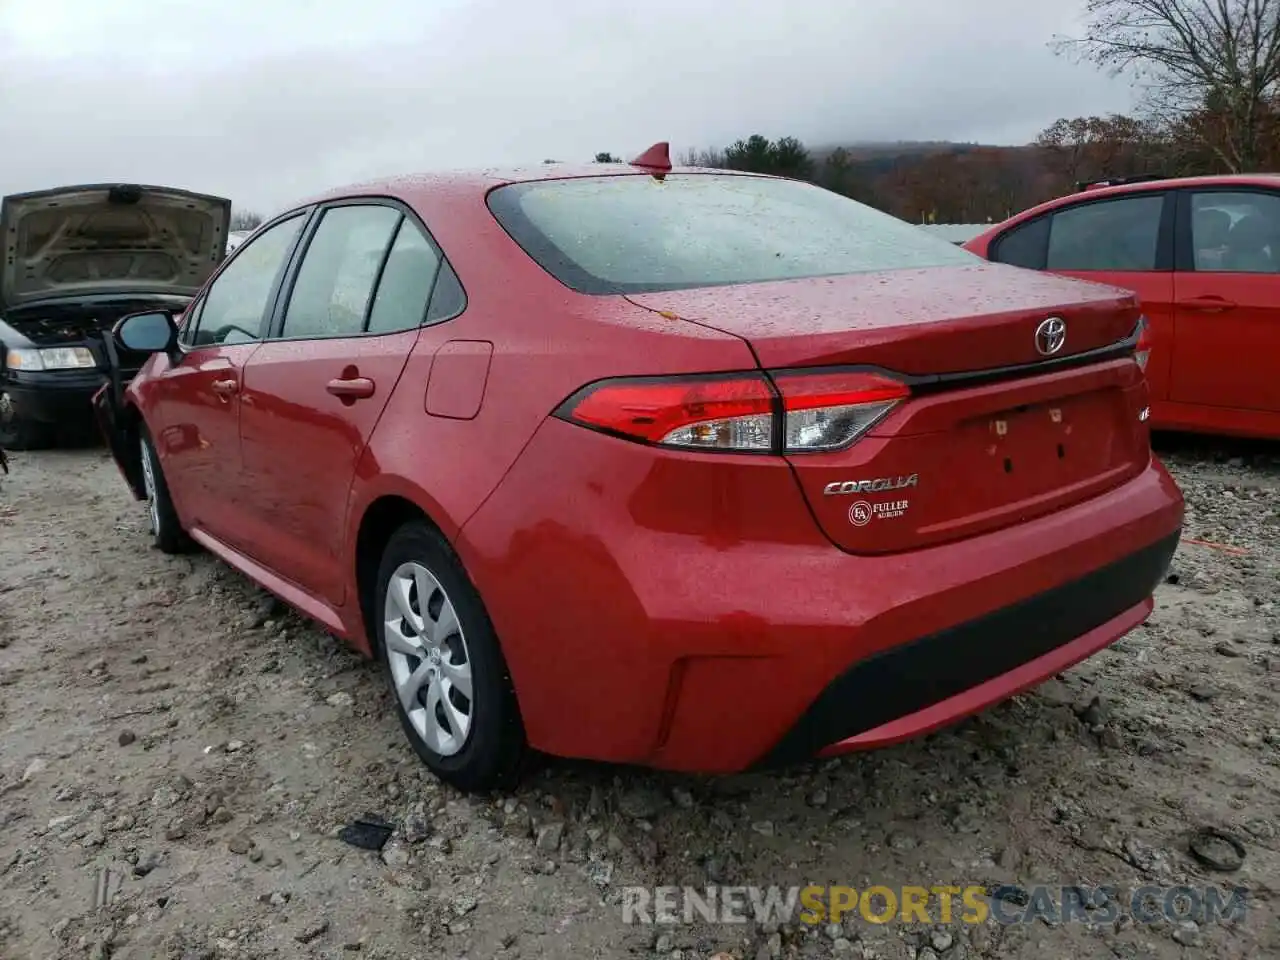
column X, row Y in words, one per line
column 694, row 469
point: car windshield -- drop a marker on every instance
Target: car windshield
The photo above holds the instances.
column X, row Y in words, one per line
column 638, row 234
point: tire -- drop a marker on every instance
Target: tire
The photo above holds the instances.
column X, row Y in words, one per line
column 19, row 434
column 166, row 530
column 480, row 745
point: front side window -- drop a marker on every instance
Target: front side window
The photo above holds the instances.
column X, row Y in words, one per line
column 238, row 298
column 335, row 281
column 1235, row 232
column 1115, row 235
column 635, row 234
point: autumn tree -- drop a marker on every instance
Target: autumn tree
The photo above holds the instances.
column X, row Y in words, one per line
column 945, row 183
column 1211, row 68
column 703, row 158
column 839, row 173
column 1092, row 148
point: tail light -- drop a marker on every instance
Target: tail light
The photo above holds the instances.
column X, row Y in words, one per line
column 828, row 411
column 1142, row 351
column 733, row 413
column 787, row 412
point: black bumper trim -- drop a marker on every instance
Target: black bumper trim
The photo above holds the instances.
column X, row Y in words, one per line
column 908, row 678
column 51, row 402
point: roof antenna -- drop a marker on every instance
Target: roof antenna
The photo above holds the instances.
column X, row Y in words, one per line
column 656, row 159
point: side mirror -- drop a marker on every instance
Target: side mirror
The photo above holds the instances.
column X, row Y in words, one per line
column 152, row 332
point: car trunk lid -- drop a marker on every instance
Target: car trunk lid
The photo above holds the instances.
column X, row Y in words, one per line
column 919, row 322
column 994, row 433
column 104, row 239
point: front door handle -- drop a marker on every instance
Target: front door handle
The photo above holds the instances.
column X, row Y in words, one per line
column 1207, row 303
column 355, row 388
column 225, row 388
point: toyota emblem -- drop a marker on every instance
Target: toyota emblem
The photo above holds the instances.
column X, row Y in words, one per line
column 1051, row 335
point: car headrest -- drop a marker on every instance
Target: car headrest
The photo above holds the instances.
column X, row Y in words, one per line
column 1212, row 227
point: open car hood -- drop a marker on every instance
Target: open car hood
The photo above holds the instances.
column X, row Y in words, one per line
column 109, row 238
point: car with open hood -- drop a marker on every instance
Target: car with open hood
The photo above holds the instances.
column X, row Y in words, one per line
column 75, row 260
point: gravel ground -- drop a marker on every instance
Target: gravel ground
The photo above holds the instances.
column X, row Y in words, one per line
column 178, row 754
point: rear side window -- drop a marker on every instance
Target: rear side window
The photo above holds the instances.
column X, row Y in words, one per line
column 401, row 300
column 635, row 234
column 1120, row 234
column 1025, row 245
column 448, row 299
column 1236, row 232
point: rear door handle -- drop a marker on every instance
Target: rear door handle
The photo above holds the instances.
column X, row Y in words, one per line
column 357, row 388
column 1209, row 303
column 225, row 388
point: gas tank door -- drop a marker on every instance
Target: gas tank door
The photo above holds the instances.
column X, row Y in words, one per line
column 459, row 371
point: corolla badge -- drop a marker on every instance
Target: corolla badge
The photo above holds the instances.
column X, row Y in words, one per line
column 1051, row 335
column 879, row 485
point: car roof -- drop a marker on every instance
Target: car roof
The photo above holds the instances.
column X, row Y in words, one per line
column 1147, row 186
column 419, row 186
column 453, row 208
column 1123, row 189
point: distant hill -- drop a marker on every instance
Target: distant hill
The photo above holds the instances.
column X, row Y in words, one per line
column 937, row 181
column 875, row 149
column 870, row 159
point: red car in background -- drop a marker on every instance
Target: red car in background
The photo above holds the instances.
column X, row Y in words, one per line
column 1203, row 255
column 695, row 469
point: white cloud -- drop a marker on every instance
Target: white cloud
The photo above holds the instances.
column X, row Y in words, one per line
column 271, row 100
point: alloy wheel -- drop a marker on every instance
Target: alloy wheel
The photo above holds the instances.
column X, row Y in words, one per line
column 428, row 657
column 149, row 486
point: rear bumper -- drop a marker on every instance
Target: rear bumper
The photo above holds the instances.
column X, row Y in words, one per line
column 919, row 686
column 685, row 612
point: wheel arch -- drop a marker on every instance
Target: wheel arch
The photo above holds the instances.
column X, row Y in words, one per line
column 379, row 519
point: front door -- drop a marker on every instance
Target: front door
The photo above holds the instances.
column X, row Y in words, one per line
column 1227, row 291
column 315, row 390
column 196, row 405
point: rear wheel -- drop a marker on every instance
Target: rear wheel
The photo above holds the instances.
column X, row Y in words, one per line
column 453, row 691
column 166, row 531
column 19, row 434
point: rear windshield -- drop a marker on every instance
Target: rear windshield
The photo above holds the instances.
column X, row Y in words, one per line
column 637, row 234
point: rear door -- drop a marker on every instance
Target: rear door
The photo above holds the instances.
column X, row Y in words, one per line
column 1126, row 241
column 193, row 406
column 315, row 390
column 1227, row 289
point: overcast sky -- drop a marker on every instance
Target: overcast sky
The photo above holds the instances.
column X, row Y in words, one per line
column 267, row 101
